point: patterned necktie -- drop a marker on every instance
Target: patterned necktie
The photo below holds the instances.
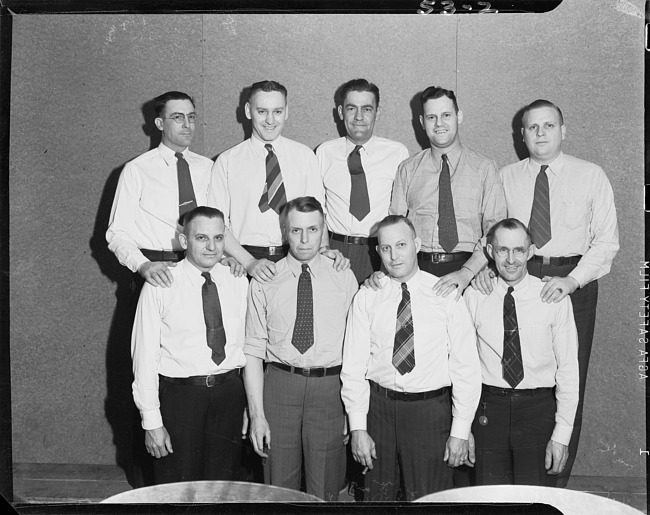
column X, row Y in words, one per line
column 303, row 330
column 447, row 231
column 186, row 198
column 540, row 215
column 273, row 196
column 404, row 350
column 513, row 365
column 215, row 332
column 359, row 201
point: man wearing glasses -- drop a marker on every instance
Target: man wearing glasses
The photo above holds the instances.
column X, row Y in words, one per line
column 155, row 190
column 529, row 367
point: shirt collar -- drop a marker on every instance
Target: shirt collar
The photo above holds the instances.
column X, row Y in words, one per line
column 368, row 147
column 412, row 284
column 258, row 146
column 554, row 167
column 453, row 156
column 296, row 266
column 520, row 288
column 169, row 155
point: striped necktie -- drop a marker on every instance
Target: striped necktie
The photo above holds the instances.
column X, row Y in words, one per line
column 404, row 349
column 540, row 214
column 273, row 196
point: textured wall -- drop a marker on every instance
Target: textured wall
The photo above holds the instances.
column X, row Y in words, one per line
column 80, row 84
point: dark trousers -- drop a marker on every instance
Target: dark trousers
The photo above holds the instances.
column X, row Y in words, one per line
column 584, row 302
column 204, row 425
column 364, row 259
column 511, row 447
column 306, row 418
column 410, row 439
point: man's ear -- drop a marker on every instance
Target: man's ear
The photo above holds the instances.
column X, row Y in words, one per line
column 159, row 123
column 418, row 244
column 183, row 240
column 460, row 116
column 531, row 251
column 247, row 110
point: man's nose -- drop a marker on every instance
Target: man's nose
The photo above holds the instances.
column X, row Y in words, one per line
column 358, row 114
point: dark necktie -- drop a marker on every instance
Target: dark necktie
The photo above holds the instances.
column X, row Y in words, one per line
column 215, row 333
column 447, row 231
column 273, row 196
column 303, row 330
column 540, row 215
column 186, row 198
column 359, row 201
column 513, row 365
column 403, row 349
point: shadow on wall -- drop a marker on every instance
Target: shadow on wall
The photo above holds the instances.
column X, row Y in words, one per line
column 119, row 408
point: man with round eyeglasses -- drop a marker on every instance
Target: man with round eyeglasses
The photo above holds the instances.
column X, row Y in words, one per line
column 529, row 367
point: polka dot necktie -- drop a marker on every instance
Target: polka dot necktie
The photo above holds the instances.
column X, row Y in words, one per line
column 447, row 230
column 303, row 330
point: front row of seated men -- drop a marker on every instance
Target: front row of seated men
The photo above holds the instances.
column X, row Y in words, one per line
column 428, row 383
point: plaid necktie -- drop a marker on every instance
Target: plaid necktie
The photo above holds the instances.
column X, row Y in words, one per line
column 303, row 330
column 186, row 197
column 513, row 365
column 273, row 196
column 540, row 214
column 215, row 332
column 359, row 201
column 403, row 350
column 447, row 230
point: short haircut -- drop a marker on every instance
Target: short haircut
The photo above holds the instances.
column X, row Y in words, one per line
column 394, row 220
column 267, row 86
column 160, row 102
column 205, row 211
column 434, row 92
column 507, row 223
column 360, row 85
column 540, row 102
column 303, row 205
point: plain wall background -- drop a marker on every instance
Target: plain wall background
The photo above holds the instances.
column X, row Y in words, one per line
column 79, row 84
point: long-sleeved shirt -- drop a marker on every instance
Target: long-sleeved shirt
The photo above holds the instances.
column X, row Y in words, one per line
column 238, row 179
column 444, row 342
column 380, row 158
column 272, row 314
column 476, row 189
column 583, row 216
column 169, row 333
column 145, row 209
column 549, row 344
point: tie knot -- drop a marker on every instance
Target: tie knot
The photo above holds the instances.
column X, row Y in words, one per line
column 444, row 158
column 404, row 288
column 543, row 168
column 357, row 149
column 305, row 268
column 510, row 290
column 207, row 277
column 269, row 148
column 179, row 155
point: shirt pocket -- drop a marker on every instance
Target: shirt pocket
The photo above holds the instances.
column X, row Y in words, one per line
column 536, row 344
column 574, row 214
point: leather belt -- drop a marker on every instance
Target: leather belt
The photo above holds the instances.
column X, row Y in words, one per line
column 163, row 255
column 557, row 261
column 209, row 381
column 406, row 396
column 354, row 240
column 308, row 372
column 269, row 251
column 443, row 257
column 511, row 392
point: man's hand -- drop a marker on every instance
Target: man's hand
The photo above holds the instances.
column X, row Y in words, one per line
column 456, row 451
column 262, row 269
column 244, row 424
column 556, row 288
column 373, row 281
column 157, row 273
column 471, row 451
column 363, row 448
column 341, row 263
column 457, row 280
column 484, row 281
column 235, row 266
column 157, row 442
column 260, row 436
column 556, row 456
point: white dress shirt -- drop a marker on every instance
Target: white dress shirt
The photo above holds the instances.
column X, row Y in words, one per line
column 238, row 179
column 380, row 158
column 549, row 344
column 145, row 209
column 583, row 216
column 445, row 350
column 169, row 334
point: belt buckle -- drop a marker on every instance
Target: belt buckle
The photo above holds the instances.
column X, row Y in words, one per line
column 306, row 372
column 546, row 260
column 435, row 257
column 207, row 382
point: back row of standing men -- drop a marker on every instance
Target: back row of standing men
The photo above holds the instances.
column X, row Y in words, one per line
column 451, row 194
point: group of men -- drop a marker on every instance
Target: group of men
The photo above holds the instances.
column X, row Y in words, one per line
column 423, row 376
